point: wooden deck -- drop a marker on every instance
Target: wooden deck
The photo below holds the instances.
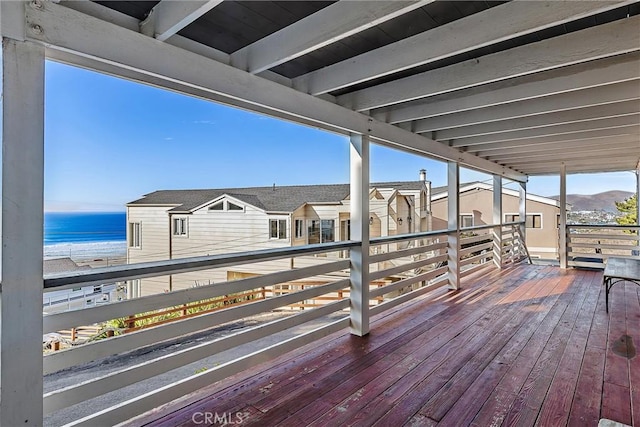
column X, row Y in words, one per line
column 530, row 345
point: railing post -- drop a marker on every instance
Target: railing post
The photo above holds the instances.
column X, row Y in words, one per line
column 563, row 236
column 497, row 221
column 453, row 236
column 22, row 233
column 522, row 229
column 359, row 207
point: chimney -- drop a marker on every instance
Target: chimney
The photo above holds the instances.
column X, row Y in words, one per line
column 423, row 175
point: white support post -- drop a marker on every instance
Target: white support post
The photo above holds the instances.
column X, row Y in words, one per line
column 453, row 204
column 497, row 220
column 562, row 228
column 637, row 252
column 523, row 217
column 359, row 207
column 22, row 233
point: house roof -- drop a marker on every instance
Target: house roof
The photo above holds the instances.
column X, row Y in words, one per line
column 270, row 199
column 441, row 192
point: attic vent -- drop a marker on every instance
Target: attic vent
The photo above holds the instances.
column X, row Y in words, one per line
column 234, row 207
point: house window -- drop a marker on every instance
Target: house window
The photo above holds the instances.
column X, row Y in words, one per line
column 217, row 207
column 321, row 231
column 466, row 221
column 134, row 235
column 234, row 207
column 299, row 226
column 533, row 220
column 179, row 226
column 278, row 228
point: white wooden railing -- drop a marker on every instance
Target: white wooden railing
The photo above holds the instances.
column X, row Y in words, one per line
column 410, row 265
column 590, row 245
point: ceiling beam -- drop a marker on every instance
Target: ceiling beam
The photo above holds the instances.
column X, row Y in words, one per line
column 169, row 17
column 335, row 22
column 463, row 35
column 549, row 131
column 577, row 157
column 601, row 95
column 575, row 77
column 564, row 149
column 618, row 109
column 554, row 168
column 601, row 41
column 628, row 140
column 602, row 133
column 64, row 29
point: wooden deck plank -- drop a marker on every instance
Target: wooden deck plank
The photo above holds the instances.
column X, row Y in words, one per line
column 480, row 331
column 409, row 402
column 585, row 409
column 522, row 346
column 330, row 353
column 557, row 404
column 616, row 394
column 408, row 344
column 632, row 299
column 503, row 347
column 534, row 390
column 497, row 406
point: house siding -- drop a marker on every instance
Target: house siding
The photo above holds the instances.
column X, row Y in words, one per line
column 542, row 242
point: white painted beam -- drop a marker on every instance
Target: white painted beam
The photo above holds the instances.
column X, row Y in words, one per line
column 66, row 29
column 584, row 169
column 453, row 224
column 566, row 153
column 169, row 16
column 601, row 41
column 610, row 165
column 595, row 157
column 580, row 136
column 556, row 130
column 619, row 109
column 589, row 144
column 329, row 25
column 463, row 35
column 602, row 95
column 602, row 72
column 22, row 233
column 359, row 215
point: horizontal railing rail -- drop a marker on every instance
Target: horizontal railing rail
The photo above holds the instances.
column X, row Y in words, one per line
column 183, row 265
column 590, row 245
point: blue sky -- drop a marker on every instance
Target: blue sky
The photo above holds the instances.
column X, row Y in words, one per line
column 109, row 141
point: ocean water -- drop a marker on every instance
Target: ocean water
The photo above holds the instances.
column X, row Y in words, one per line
column 84, row 235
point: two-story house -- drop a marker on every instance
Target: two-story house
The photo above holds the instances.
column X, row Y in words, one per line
column 169, row 224
column 476, row 208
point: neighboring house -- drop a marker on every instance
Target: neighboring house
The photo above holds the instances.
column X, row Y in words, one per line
column 476, row 208
column 171, row 224
column 74, row 298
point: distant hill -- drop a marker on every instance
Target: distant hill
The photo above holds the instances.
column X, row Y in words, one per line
column 596, row 202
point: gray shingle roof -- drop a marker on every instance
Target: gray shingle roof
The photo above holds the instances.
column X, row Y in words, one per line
column 270, row 199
